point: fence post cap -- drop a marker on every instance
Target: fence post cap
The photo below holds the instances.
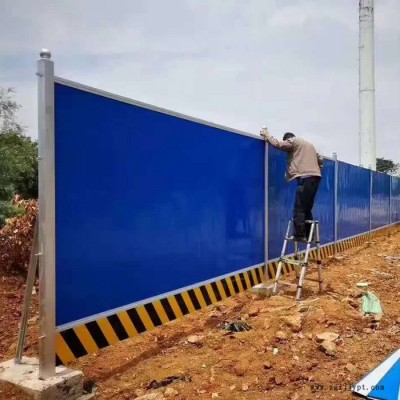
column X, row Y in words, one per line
column 45, row 54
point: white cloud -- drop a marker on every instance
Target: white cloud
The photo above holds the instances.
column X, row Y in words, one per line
column 288, row 64
column 300, row 14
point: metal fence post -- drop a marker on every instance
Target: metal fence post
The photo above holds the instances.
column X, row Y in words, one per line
column 45, row 68
column 390, row 204
column 371, row 180
column 266, row 213
column 335, row 203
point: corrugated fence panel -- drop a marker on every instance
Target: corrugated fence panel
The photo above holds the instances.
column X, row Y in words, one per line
column 380, row 202
column 395, row 199
column 353, row 200
column 281, row 199
column 148, row 203
column 325, row 203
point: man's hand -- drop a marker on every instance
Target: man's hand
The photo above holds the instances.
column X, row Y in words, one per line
column 320, row 161
column 284, row 145
column 264, row 133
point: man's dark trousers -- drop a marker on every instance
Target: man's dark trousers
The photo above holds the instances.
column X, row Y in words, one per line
column 307, row 188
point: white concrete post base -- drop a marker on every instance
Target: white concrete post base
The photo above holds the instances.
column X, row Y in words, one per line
column 67, row 384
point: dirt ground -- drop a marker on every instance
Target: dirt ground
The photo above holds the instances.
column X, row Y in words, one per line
column 11, row 301
column 279, row 358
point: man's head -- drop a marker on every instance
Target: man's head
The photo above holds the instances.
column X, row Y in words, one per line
column 288, row 135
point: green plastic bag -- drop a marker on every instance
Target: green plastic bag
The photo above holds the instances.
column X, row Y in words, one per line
column 371, row 304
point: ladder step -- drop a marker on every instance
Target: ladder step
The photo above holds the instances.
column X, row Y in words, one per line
column 295, row 284
column 291, row 261
column 292, row 239
column 298, row 262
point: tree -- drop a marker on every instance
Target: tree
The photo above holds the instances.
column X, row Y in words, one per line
column 386, row 166
column 18, row 157
column 18, row 166
column 8, row 109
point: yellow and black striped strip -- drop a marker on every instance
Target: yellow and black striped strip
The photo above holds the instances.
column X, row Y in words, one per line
column 88, row 338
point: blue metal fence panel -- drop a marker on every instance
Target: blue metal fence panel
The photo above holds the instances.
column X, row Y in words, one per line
column 353, row 200
column 395, row 199
column 148, row 203
column 281, row 199
column 325, row 203
column 380, row 201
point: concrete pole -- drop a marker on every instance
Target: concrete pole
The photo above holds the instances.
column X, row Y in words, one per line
column 367, row 86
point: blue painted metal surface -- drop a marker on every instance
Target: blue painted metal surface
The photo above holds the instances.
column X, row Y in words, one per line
column 382, row 382
column 388, row 387
column 380, row 202
column 353, row 200
column 395, row 199
column 325, row 203
column 281, row 199
column 147, row 203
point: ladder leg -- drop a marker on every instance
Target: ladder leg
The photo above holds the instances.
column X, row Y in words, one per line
column 277, row 277
column 311, row 235
column 279, row 270
column 289, row 227
column 319, row 262
column 305, row 263
column 297, row 258
column 301, row 281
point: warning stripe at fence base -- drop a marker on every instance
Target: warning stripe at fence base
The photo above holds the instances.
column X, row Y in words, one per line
column 89, row 337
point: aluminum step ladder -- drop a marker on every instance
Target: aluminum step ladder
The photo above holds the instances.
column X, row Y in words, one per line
column 300, row 260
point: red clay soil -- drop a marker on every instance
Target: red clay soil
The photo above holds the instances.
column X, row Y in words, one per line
column 235, row 366
column 11, row 300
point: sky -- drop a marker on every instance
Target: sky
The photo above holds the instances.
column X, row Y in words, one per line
column 291, row 65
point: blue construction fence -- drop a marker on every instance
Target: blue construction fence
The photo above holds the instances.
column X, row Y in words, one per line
column 366, row 200
column 150, row 202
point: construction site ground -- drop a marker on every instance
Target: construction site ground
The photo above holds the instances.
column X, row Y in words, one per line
column 279, row 358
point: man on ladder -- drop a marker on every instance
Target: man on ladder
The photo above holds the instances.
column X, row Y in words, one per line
column 305, row 165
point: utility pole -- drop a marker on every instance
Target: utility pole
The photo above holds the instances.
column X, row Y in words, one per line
column 367, row 85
